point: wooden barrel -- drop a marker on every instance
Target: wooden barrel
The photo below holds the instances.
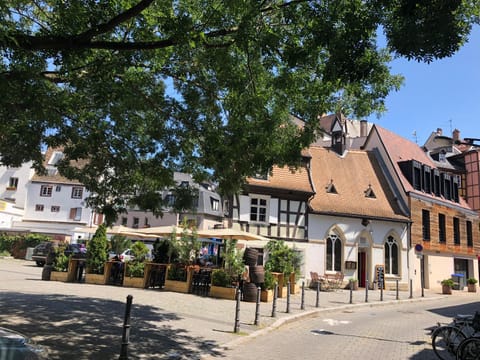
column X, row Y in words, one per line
column 250, row 256
column 257, row 274
column 249, row 292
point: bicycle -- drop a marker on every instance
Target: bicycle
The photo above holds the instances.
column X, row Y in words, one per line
column 447, row 338
column 469, row 349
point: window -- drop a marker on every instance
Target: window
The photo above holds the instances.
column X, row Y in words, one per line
column 55, row 209
column 170, row 199
column 146, row 222
column 427, row 179
column 391, row 256
column 426, row 225
column 441, row 228
column 76, row 214
column 77, row 192
column 469, row 234
column 436, row 182
column 417, row 176
column 46, row 190
column 136, row 221
column 456, row 231
column 58, row 188
column 258, row 209
column 334, row 253
column 38, row 207
column 13, row 183
column 215, row 204
column 124, row 221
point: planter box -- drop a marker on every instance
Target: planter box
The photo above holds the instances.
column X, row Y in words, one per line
column 177, row 286
column 222, row 292
column 266, row 295
column 472, row 287
column 136, row 282
column 59, row 276
column 446, row 290
column 98, row 279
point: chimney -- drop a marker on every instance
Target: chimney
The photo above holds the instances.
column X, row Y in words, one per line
column 363, row 128
column 439, row 131
column 456, row 135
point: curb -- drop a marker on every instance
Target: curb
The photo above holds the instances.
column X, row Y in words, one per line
column 296, row 317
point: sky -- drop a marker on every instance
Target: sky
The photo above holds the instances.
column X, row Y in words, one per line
column 443, row 94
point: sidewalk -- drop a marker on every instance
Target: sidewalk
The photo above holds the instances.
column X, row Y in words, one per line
column 161, row 321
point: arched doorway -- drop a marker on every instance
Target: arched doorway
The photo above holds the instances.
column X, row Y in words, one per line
column 364, row 259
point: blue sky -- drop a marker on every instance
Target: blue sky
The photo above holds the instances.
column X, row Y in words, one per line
column 443, row 94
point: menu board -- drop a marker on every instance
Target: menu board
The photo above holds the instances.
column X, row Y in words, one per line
column 380, row 276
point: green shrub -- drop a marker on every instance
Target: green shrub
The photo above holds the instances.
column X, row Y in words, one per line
column 177, row 273
column 97, row 249
column 60, row 262
column 135, row 268
column 221, row 278
column 448, row 282
column 472, row 281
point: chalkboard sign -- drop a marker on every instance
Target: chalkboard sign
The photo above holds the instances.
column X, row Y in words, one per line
column 380, row 276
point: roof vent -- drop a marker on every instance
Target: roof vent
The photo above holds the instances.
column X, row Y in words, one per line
column 369, row 192
column 331, row 188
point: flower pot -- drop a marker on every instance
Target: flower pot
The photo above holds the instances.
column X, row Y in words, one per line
column 177, row 286
column 446, row 289
column 266, row 295
column 472, row 287
column 59, row 276
column 223, row 292
column 136, row 282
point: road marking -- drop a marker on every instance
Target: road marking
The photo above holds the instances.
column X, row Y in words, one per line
column 333, row 322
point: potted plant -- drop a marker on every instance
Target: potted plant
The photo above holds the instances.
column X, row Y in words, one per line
column 447, row 285
column 222, row 285
column 97, row 255
column 266, row 294
column 282, row 262
column 352, row 283
column 472, row 284
column 135, row 269
column 60, row 265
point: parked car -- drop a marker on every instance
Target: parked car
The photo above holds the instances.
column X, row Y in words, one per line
column 126, row 255
column 16, row 346
column 41, row 251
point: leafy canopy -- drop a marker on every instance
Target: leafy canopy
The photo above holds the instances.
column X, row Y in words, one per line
column 136, row 89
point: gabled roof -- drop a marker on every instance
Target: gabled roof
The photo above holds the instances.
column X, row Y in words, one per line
column 356, row 176
column 400, row 149
column 50, row 158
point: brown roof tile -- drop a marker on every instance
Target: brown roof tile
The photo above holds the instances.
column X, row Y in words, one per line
column 351, row 174
column 286, row 179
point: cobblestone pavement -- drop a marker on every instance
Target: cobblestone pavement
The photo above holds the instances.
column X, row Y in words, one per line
column 86, row 321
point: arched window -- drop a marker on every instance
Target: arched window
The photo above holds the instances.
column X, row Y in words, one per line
column 391, row 256
column 334, row 253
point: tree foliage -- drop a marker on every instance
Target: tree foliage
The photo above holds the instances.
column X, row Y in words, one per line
column 136, row 89
column 97, row 249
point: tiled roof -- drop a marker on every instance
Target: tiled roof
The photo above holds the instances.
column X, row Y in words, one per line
column 400, row 149
column 352, row 175
column 284, row 178
column 53, row 176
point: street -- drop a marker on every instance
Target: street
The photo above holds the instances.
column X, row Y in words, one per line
column 382, row 332
column 85, row 321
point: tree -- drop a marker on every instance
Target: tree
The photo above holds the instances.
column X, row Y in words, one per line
column 136, row 89
column 97, row 251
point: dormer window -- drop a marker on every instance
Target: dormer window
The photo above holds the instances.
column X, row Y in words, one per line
column 369, row 193
column 55, row 158
column 442, row 156
column 331, row 188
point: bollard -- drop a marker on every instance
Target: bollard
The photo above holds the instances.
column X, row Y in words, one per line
column 288, row 297
column 381, row 292
column 126, row 329
column 257, row 308
column 274, row 302
column 366, row 290
column 236, row 327
column 351, row 292
column 397, row 297
column 411, row 289
column 302, row 304
column 318, row 294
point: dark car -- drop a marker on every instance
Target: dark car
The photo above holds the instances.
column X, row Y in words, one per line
column 41, row 251
column 16, row 346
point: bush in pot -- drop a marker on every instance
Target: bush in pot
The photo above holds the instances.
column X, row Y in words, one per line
column 97, row 251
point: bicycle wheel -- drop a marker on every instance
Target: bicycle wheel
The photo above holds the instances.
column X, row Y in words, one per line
column 445, row 341
column 469, row 349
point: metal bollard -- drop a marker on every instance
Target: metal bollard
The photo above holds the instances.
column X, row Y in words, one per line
column 302, row 305
column 236, row 327
column 411, row 289
column 257, row 308
column 396, row 286
column 351, row 292
column 318, row 294
column 366, row 290
column 381, row 292
column 274, row 302
column 126, row 330
column 288, row 297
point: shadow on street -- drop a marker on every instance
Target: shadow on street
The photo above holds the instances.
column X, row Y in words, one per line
column 88, row 328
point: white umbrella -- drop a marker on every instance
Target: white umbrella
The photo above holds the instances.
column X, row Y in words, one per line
column 162, row 230
column 230, row 234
